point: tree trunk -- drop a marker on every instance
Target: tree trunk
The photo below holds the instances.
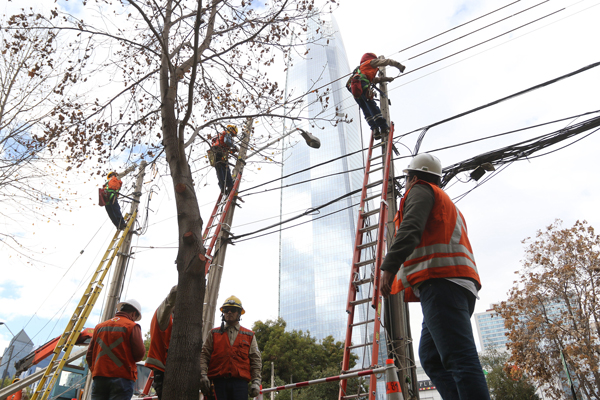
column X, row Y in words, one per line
column 182, row 377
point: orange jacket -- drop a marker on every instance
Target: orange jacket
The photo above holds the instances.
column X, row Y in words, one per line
column 114, row 183
column 227, row 361
column 367, row 70
column 444, row 250
column 112, row 355
column 159, row 344
column 15, row 396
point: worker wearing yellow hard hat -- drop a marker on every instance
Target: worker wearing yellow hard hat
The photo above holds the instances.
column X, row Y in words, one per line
column 230, row 357
column 218, row 154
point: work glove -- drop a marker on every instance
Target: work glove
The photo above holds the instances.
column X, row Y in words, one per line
column 254, row 390
column 205, row 384
column 387, row 79
column 399, row 66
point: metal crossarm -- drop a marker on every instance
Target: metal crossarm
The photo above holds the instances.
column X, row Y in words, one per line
column 81, row 314
column 369, row 245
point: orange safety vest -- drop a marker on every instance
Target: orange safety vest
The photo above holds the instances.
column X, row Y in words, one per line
column 220, row 140
column 112, row 356
column 444, row 250
column 367, row 70
column 159, row 344
column 227, row 361
column 16, row 396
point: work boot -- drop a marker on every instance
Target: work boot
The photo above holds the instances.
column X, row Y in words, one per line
column 376, row 134
column 385, row 131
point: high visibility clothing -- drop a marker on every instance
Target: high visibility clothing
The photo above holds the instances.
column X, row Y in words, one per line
column 16, row 396
column 112, row 355
column 112, row 187
column 159, row 344
column 220, row 140
column 368, row 71
column 444, row 250
column 227, row 361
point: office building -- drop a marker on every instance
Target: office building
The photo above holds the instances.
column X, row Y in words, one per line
column 19, row 347
column 490, row 329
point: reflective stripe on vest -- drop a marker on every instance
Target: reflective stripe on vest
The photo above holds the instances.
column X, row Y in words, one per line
column 154, row 362
column 433, row 258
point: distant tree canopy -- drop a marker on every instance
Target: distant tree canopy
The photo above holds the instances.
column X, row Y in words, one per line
column 299, row 357
column 506, row 381
column 555, row 306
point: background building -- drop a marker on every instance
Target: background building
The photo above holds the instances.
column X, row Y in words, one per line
column 19, row 347
column 490, row 329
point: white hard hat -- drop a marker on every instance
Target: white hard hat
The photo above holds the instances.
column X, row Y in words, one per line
column 133, row 303
column 425, row 163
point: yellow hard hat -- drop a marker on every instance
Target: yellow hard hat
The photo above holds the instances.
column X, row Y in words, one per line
column 233, row 301
column 111, row 173
column 234, row 130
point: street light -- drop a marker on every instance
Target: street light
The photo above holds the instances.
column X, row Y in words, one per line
column 2, row 323
column 310, row 139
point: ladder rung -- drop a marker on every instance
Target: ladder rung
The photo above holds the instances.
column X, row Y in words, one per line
column 376, row 157
column 366, row 262
column 363, row 322
column 372, row 197
column 370, row 185
column 363, row 281
column 361, row 301
column 368, row 214
column 368, row 228
column 356, row 396
column 378, row 145
column 356, row 346
column 365, row 245
column 375, row 170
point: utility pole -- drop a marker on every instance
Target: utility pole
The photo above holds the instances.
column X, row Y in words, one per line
column 114, row 291
column 396, row 314
column 272, row 379
column 216, row 268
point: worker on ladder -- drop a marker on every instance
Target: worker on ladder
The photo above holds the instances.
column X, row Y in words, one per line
column 112, row 187
column 160, row 338
column 230, row 357
column 432, row 261
column 115, row 348
column 359, row 85
column 222, row 145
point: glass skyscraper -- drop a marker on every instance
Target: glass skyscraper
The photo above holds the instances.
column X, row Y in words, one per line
column 316, row 255
column 491, row 330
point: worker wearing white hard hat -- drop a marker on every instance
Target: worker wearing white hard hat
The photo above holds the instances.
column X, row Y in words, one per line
column 230, row 357
column 431, row 260
column 115, row 348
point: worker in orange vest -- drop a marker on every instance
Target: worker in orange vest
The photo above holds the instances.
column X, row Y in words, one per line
column 112, row 187
column 222, row 145
column 160, row 337
column 115, row 348
column 16, row 395
column 359, row 85
column 230, row 357
column 432, row 261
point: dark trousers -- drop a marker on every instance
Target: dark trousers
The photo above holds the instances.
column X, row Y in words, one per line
column 372, row 113
column 231, row 389
column 447, row 350
column 112, row 388
column 114, row 213
column 224, row 176
column 157, row 384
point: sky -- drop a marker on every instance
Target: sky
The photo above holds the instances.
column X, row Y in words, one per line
column 526, row 196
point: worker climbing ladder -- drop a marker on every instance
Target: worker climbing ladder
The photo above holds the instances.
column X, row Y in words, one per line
column 369, row 246
column 84, row 308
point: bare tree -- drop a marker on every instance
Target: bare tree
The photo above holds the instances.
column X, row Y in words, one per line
column 164, row 73
column 555, row 307
column 31, row 89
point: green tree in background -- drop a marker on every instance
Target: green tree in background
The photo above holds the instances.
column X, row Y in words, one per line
column 299, row 357
column 146, row 344
column 505, row 381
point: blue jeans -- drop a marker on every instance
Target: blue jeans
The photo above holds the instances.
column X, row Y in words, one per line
column 231, row 389
column 372, row 113
column 104, row 388
column 447, row 350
